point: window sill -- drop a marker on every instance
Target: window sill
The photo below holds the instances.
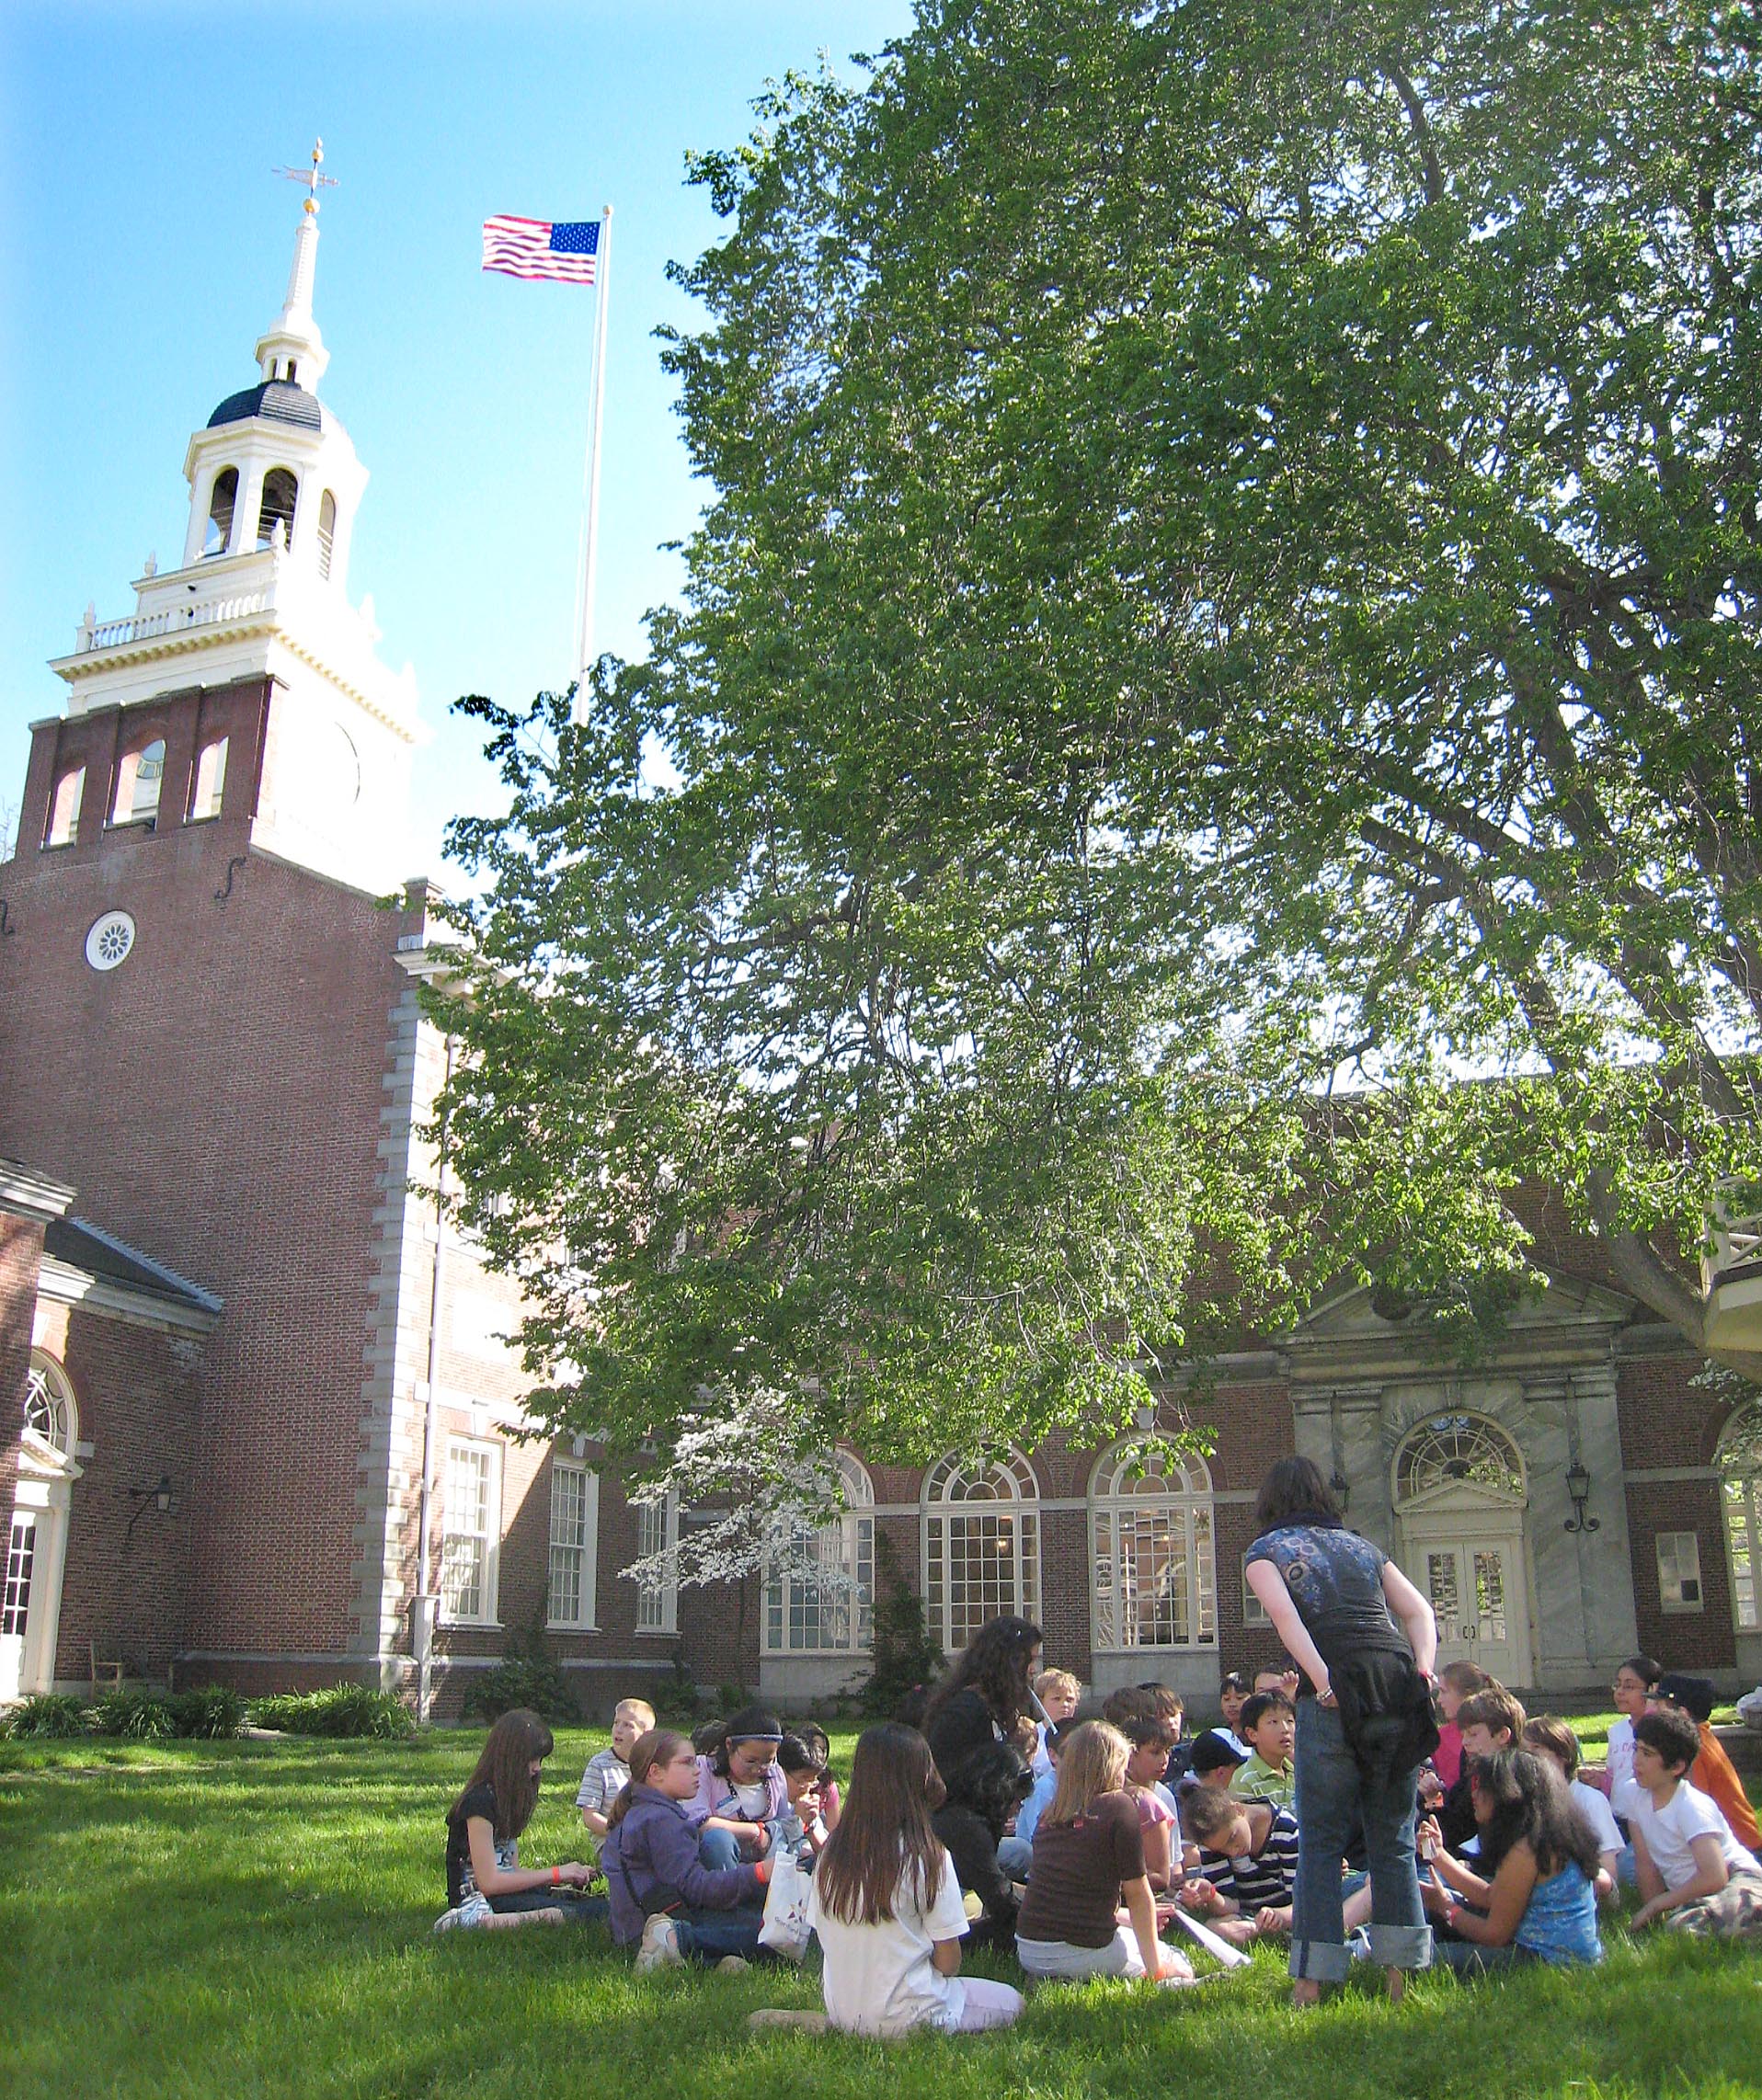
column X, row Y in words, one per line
column 469, row 1625
column 567, row 1625
column 656, row 1633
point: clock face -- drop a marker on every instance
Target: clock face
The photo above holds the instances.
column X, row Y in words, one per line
column 328, row 770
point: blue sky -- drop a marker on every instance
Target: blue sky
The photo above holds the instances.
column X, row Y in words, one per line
column 146, row 245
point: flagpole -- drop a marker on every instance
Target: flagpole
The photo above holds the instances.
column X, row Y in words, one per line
column 596, row 416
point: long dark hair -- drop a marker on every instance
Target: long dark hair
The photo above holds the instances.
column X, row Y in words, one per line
column 995, row 1665
column 658, row 1746
column 504, row 1765
column 1531, row 1807
column 1293, row 1488
column 885, row 1827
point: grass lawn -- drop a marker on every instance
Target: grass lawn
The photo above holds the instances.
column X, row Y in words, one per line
column 253, row 1917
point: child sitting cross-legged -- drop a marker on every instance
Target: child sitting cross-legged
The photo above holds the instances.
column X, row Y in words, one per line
column 1530, row 1894
column 1247, row 1864
column 1268, row 1726
column 1550, row 1738
column 1692, row 1872
column 665, row 1901
column 885, row 1905
column 1088, row 1862
column 486, row 1885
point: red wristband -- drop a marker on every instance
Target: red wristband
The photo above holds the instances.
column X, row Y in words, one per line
column 556, row 1875
column 763, row 1869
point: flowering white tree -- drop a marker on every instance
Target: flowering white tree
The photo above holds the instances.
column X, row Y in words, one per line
column 759, row 1481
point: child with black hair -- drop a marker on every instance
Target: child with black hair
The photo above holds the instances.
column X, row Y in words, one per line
column 1714, row 1774
column 1530, row 1896
column 740, row 1796
column 1692, row 1870
column 803, row 1764
column 1268, row 1726
column 486, row 1885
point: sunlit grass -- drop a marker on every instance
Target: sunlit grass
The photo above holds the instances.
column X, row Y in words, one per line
column 233, row 1919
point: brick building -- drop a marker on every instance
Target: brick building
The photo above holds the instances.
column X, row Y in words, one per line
column 264, row 1428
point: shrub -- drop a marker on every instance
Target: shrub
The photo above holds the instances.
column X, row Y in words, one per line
column 339, row 1711
column 907, row 1657
column 146, row 1716
column 533, row 1678
column 45, row 1715
column 214, row 1711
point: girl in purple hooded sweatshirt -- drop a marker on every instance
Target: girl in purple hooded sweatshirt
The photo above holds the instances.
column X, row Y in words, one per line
column 665, row 1901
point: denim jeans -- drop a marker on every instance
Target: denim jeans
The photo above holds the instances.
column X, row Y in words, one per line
column 1333, row 1798
column 579, row 1910
column 707, row 1936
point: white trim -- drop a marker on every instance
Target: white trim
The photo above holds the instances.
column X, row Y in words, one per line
column 586, row 1545
column 658, row 1600
column 488, row 1574
column 1118, row 1505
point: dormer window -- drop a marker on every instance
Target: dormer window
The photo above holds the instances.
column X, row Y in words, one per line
column 293, row 373
column 138, row 781
column 280, row 493
column 221, row 506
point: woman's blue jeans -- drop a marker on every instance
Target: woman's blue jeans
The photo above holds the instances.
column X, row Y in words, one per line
column 1334, row 1801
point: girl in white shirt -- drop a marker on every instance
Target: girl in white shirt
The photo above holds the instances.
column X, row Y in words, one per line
column 887, row 1907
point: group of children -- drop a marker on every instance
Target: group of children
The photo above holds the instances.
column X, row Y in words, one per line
column 1077, row 1842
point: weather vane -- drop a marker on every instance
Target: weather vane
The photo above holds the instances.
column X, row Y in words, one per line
column 310, row 176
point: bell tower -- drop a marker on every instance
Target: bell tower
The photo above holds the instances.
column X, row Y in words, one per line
column 261, row 592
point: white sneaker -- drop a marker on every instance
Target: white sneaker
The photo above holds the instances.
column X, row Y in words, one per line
column 471, row 1912
column 659, row 1947
column 733, row 1965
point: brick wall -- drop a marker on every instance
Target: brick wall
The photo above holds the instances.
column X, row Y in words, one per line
column 216, row 1100
column 21, row 1249
column 122, row 1590
column 1670, row 1423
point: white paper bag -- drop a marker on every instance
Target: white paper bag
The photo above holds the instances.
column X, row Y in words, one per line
column 785, row 1930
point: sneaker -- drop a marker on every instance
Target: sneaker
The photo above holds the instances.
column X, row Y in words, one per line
column 659, row 1947
column 1358, row 1944
column 781, row 2016
column 733, row 1965
column 471, row 1912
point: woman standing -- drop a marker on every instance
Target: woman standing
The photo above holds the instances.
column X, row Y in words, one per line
column 1365, row 1640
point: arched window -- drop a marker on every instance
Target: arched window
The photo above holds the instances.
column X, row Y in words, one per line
column 210, row 781
column 63, row 808
column 138, row 781
column 1740, row 1494
column 52, row 1416
column 981, row 1545
column 1458, row 1450
column 327, row 531
column 808, row 1616
column 221, row 506
column 280, row 493
column 1154, row 1575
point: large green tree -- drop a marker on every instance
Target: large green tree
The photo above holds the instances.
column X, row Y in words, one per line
column 1211, row 737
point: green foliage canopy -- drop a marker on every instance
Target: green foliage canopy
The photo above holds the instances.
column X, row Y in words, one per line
column 1228, row 607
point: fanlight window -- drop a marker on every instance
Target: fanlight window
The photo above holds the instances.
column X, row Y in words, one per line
column 808, row 1616
column 138, row 781
column 1154, row 1575
column 280, row 493
column 1740, row 1494
column 51, row 1417
column 981, row 1546
column 220, row 507
column 1458, row 1450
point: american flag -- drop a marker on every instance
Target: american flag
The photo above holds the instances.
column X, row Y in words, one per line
column 541, row 247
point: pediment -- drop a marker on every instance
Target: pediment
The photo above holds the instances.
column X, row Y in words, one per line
column 1567, row 1303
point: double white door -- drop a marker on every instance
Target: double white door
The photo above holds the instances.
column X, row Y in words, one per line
column 1479, row 1596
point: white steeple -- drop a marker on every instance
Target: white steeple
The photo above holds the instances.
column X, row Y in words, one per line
column 274, row 485
column 292, row 348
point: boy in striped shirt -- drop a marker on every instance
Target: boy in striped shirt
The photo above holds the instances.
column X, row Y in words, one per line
column 1247, row 1863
